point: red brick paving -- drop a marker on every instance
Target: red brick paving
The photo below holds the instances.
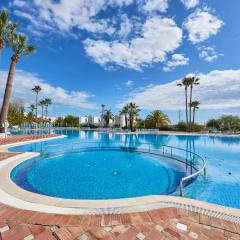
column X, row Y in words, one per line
column 24, row 138
column 150, row 225
column 162, row 224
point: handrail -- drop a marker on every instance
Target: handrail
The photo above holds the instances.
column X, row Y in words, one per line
column 100, row 144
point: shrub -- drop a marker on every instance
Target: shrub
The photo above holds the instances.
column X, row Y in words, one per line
column 181, row 126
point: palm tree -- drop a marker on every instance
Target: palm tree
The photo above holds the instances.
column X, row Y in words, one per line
column 42, row 104
column 19, row 44
column 48, row 101
column 29, row 117
column 108, row 116
column 102, row 114
column 124, row 112
column 185, row 83
column 37, row 89
column 133, row 111
column 32, row 108
column 193, row 81
column 4, row 24
column 194, row 106
column 159, row 118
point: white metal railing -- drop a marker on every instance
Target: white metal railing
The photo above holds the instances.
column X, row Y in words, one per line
column 195, row 161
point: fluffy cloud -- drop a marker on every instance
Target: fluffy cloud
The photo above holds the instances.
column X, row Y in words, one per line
column 65, row 15
column 159, row 36
column 177, row 60
column 208, row 54
column 155, row 5
column 24, row 81
column 190, row 3
column 201, row 25
column 217, row 90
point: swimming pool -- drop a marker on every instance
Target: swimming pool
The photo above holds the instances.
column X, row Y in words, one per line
column 220, row 186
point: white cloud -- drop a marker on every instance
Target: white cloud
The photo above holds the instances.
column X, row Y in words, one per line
column 126, row 27
column 25, row 81
column 208, row 54
column 129, row 83
column 159, row 36
column 217, row 90
column 66, row 15
column 177, row 60
column 201, row 25
column 155, row 5
column 190, row 3
column 19, row 3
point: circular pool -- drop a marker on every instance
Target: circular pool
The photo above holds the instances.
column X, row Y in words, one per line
column 99, row 174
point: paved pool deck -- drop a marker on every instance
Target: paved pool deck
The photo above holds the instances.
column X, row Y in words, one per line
column 163, row 223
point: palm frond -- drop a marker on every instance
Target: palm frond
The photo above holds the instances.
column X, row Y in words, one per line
column 30, row 49
column 4, row 17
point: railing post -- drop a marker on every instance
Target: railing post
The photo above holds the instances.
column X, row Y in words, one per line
column 171, row 152
column 149, row 147
column 204, row 171
column 181, row 188
column 163, row 150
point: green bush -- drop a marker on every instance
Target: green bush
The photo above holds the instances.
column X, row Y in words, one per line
column 181, row 126
column 197, row 128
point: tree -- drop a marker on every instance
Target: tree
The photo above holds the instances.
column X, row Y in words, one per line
column 69, row 120
column 107, row 117
column 133, row 111
column 29, row 117
column 59, row 121
column 48, row 101
column 194, row 105
column 4, row 24
column 16, row 112
column 124, row 112
column 102, row 114
column 19, row 45
column 194, row 81
column 42, row 104
column 158, row 118
column 213, row 123
column 37, row 89
column 185, row 83
column 229, row 122
column 32, row 108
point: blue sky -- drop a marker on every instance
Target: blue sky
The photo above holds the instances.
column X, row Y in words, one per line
column 115, row 51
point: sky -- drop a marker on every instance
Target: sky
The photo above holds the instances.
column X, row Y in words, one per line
column 115, row 51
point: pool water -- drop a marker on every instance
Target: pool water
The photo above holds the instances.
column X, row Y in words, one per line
column 222, row 157
column 98, row 175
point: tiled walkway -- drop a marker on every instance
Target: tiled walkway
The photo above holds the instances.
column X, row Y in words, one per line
column 167, row 223
column 24, row 138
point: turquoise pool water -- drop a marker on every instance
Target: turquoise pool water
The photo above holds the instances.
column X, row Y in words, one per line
column 222, row 156
column 98, row 175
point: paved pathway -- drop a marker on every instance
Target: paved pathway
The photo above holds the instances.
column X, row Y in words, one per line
column 24, row 138
column 167, row 223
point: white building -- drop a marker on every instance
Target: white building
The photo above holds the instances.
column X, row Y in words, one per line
column 93, row 120
column 83, row 120
column 119, row 120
